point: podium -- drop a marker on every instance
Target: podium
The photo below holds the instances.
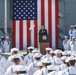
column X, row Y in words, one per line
column 43, row 42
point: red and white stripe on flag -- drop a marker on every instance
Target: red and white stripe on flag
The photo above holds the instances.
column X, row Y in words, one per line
column 47, row 14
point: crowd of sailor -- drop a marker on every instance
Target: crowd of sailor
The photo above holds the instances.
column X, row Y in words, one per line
column 69, row 42
column 54, row 62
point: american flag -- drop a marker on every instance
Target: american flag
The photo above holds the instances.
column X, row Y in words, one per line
column 28, row 13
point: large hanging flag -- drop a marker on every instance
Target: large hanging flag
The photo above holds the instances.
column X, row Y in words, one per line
column 34, row 13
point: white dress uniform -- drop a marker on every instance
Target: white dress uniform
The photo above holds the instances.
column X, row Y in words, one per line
column 28, row 59
column 44, row 70
column 2, row 69
column 57, row 60
column 12, row 70
column 47, row 55
column 71, row 31
column 66, row 45
column 6, row 46
column 3, row 61
column 70, row 70
column 38, row 72
column 9, row 60
column 63, row 65
column 74, row 32
column 33, row 67
column 73, row 45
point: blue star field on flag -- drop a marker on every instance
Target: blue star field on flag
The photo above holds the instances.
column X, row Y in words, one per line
column 24, row 9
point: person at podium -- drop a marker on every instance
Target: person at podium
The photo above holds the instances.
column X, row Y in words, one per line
column 43, row 30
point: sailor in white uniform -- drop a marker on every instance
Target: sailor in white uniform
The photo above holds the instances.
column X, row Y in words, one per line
column 65, row 43
column 70, row 39
column 73, row 44
column 52, row 70
column 57, row 57
column 52, row 56
column 45, row 62
column 33, row 67
column 2, row 69
column 72, row 69
column 38, row 72
column 29, row 57
column 47, row 55
column 14, row 51
column 74, row 32
column 3, row 61
column 13, row 68
column 63, row 65
column 71, row 30
column 6, row 44
column 48, row 52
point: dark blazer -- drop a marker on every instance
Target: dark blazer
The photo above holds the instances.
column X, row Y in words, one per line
column 43, row 31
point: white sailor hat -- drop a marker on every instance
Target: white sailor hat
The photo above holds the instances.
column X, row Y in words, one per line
column 51, row 67
column 2, row 36
column 63, row 57
column 65, row 36
column 69, row 52
column 14, row 49
column 47, row 49
column 71, row 58
column 30, row 47
column 46, row 60
column 35, row 51
column 37, row 55
column 22, row 68
column 57, row 51
column 51, row 51
column 40, row 64
column 15, row 56
column 60, row 15
column 71, row 26
column 64, row 53
column 73, row 37
column 7, row 37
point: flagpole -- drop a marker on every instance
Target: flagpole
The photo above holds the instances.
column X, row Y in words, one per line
column 5, row 15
